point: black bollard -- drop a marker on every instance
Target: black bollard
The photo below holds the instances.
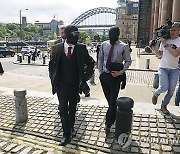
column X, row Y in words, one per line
column 123, row 116
column 147, row 63
column 29, row 59
column 20, row 59
column 44, row 59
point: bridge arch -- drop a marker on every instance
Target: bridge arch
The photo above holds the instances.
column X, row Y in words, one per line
column 93, row 12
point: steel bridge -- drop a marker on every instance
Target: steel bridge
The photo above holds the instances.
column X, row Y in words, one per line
column 97, row 18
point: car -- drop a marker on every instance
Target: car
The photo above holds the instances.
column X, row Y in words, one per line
column 28, row 50
column 5, row 51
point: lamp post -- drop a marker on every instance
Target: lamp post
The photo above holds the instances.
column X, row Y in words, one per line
column 57, row 30
column 21, row 25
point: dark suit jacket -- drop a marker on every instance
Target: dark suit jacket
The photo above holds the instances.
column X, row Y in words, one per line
column 83, row 58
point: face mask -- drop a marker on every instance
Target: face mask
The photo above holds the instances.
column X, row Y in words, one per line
column 72, row 34
column 113, row 35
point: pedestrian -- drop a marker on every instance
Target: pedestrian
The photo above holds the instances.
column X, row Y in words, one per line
column 34, row 55
column 97, row 52
column 177, row 97
column 129, row 44
column 168, row 71
column 62, row 35
column 66, row 71
column 1, row 69
column 113, row 60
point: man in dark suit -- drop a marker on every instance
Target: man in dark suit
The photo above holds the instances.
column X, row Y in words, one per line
column 113, row 60
column 66, row 70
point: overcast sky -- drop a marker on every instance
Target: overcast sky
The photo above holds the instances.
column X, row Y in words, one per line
column 44, row 10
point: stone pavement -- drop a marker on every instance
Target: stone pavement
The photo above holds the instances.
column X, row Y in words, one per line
column 152, row 132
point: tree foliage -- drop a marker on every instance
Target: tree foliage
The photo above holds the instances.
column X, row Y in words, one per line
column 83, row 36
column 11, row 31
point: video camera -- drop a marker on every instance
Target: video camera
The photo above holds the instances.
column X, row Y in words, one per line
column 162, row 32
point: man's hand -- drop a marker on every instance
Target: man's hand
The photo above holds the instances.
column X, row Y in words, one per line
column 116, row 73
column 163, row 41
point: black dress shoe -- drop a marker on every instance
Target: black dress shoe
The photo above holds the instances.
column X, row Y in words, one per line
column 87, row 95
column 73, row 132
column 65, row 140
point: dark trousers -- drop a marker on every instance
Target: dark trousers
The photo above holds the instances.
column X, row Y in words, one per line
column 67, row 108
column 110, row 86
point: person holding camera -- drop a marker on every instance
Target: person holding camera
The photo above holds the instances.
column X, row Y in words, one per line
column 168, row 71
column 111, row 68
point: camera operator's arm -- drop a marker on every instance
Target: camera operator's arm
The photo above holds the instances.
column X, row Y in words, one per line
column 154, row 47
column 174, row 52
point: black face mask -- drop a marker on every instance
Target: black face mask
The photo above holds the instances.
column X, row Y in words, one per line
column 72, row 34
column 113, row 34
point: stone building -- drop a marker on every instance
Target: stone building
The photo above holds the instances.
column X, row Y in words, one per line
column 163, row 10
column 153, row 14
column 127, row 19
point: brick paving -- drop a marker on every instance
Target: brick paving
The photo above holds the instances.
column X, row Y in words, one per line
column 150, row 133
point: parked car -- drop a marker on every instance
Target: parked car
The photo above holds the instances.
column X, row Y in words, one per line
column 5, row 51
column 28, row 50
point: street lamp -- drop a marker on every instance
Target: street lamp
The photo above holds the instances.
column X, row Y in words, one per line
column 57, row 29
column 21, row 24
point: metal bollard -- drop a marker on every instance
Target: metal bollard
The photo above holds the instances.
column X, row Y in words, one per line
column 123, row 116
column 20, row 59
column 156, row 81
column 22, row 56
column 21, row 105
column 44, row 60
column 29, row 59
column 17, row 57
column 147, row 63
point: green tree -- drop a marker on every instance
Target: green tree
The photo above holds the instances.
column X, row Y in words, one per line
column 12, row 27
column 104, row 38
column 88, row 41
column 54, row 36
column 83, row 36
column 96, row 37
column 2, row 31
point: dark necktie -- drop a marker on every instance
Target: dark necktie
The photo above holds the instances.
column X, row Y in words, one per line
column 109, row 56
column 69, row 53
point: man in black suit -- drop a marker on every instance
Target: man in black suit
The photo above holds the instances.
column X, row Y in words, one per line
column 66, row 71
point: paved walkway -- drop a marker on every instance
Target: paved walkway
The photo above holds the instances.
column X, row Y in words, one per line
column 152, row 132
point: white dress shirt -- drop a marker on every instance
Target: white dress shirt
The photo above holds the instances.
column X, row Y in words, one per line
column 66, row 47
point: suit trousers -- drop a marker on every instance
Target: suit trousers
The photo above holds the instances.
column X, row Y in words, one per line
column 67, row 108
column 110, row 86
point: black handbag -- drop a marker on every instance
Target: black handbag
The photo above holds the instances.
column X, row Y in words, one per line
column 115, row 66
